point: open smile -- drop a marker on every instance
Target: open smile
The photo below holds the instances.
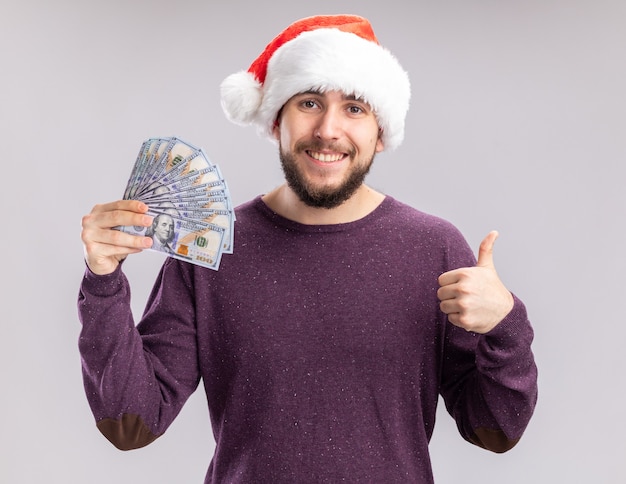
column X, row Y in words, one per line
column 326, row 157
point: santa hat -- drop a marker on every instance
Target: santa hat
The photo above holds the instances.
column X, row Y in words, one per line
column 329, row 52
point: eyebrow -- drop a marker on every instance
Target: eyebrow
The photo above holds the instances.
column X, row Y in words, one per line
column 346, row 97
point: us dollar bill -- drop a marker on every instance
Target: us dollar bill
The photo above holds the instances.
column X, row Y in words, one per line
column 188, row 198
column 192, row 241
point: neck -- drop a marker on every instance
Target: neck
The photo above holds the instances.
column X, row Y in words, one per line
column 286, row 203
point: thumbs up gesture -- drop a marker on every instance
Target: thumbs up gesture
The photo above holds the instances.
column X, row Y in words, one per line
column 474, row 298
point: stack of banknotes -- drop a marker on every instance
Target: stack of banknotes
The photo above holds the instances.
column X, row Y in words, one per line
column 188, row 198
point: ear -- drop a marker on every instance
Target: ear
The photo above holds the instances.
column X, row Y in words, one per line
column 380, row 144
column 276, row 129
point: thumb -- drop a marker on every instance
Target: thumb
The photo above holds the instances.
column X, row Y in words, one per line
column 485, row 251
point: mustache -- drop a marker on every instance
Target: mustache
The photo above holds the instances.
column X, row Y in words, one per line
column 317, row 145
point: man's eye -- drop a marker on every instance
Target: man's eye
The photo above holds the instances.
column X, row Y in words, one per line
column 309, row 103
column 356, row 109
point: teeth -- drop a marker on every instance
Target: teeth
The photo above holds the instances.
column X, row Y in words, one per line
column 325, row 157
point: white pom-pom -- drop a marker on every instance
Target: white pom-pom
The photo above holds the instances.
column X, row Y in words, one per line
column 241, row 96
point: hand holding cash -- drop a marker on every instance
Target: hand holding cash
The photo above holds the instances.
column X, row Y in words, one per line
column 188, row 198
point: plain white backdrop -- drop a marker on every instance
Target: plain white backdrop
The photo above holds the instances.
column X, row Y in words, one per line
column 517, row 122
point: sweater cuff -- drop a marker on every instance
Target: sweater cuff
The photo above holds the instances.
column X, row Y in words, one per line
column 512, row 328
column 103, row 285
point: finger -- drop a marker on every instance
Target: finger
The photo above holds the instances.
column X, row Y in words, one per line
column 447, row 292
column 105, row 248
column 447, row 307
column 118, row 238
column 98, row 226
column 124, row 205
column 485, row 251
column 105, row 242
column 450, row 277
column 451, row 309
column 107, row 219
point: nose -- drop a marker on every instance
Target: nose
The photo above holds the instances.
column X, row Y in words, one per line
column 329, row 125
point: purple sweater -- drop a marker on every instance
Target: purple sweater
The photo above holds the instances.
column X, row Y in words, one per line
column 322, row 351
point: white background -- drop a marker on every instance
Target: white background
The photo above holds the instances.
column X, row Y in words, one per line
column 517, row 122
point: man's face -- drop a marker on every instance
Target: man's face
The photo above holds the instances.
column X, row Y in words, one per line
column 327, row 145
column 164, row 229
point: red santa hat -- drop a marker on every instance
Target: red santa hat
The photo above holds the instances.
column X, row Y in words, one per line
column 328, row 52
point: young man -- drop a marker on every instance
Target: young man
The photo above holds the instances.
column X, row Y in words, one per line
column 325, row 339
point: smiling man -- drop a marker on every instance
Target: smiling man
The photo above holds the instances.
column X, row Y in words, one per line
column 325, row 340
column 327, row 142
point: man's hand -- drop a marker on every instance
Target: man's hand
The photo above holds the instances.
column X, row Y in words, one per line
column 474, row 298
column 104, row 247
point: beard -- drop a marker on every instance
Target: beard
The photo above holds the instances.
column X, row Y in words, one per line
column 323, row 196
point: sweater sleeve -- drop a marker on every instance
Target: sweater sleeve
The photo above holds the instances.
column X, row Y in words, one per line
column 137, row 378
column 490, row 381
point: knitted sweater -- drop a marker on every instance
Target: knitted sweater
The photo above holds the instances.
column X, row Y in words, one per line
column 322, row 351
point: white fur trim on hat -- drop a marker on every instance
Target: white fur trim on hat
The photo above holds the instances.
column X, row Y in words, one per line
column 324, row 59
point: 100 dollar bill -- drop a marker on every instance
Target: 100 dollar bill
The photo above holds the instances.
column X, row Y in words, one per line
column 193, row 216
column 191, row 241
